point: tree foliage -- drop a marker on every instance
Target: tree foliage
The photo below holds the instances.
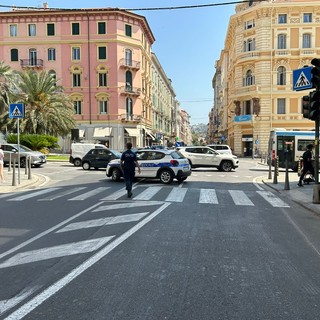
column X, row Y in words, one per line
column 47, row 109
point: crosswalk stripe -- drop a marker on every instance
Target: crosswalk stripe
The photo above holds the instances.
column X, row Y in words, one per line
column 208, row 196
column 33, row 194
column 131, row 204
column 148, row 193
column 240, row 198
column 103, row 222
column 62, row 194
column 274, row 201
column 177, row 195
column 56, row 251
column 115, row 196
column 89, row 194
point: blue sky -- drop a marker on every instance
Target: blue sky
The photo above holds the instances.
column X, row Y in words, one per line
column 188, row 42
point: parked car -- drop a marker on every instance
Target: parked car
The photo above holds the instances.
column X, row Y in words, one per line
column 78, row 150
column 202, row 156
column 14, row 151
column 99, row 158
column 221, row 148
column 164, row 165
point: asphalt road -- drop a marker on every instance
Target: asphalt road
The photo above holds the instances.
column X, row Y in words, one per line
column 218, row 246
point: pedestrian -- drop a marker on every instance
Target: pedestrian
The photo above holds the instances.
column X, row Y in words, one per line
column 1, row 164
column 307, row 164
column 128, row 163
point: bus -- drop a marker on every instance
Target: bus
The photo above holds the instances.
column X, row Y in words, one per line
column 294, row 142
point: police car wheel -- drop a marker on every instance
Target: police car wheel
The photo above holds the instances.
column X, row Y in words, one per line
column 115, row 174
column 166, row 176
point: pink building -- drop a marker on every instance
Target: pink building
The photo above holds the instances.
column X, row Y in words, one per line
column 102, row 58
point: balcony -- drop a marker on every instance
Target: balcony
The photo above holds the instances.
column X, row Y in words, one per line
column 249, row 55
column 130, row 91
column 130, row 64
column 130, row 117
column 31, row 63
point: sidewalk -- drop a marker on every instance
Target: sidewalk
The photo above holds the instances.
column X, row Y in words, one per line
column 301, row 195
column 10, row 185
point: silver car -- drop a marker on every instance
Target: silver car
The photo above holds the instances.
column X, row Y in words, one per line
column 11, row 152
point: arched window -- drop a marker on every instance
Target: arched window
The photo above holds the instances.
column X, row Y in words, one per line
column 128, row 81
column 128, row 57
column 249, row 79
column 281, row 76
column 129, row 109
column 282, row 41
column 14, row 55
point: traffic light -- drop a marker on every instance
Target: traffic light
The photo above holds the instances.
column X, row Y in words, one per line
column 315, row 71
column 305, row 106
column 314, row 105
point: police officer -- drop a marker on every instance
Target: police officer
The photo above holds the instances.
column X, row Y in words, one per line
column 128, row 165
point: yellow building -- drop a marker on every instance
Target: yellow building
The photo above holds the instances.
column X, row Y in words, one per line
column 265, row 42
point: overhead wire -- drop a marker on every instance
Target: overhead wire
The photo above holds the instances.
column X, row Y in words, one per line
column 140, row 9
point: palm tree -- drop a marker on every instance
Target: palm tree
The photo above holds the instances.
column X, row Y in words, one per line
column 47, row 109
column 7, row 85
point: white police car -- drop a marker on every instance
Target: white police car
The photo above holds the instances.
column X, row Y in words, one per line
column 164, row 165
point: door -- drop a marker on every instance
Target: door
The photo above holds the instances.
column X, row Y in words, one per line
column 33, row 57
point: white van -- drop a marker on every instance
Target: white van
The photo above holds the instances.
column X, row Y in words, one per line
column 221, row 148
column 79, row 150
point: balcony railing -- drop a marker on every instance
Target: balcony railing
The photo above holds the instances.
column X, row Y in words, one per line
column 130, row 117
column 131, row 64
column 31, row 63
column 129, row 90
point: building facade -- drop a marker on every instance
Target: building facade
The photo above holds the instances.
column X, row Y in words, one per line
column 102, row 58
column 265, row 42
column 163, row 104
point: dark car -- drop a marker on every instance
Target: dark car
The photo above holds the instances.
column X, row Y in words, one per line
column 99, row 158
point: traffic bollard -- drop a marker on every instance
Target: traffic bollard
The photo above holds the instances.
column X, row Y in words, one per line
column 29, row 168
column 276, row 171
column 14, row 179
column 286, row 182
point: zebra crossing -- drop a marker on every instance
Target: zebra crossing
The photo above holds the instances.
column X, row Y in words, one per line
column 149, row 193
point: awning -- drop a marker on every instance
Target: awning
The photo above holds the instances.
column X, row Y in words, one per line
column 149, row 133
column 133, row 132
column 102, row 132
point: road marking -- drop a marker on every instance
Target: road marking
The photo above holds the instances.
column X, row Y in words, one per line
column 44, row 233
column 5, row 305
column 148, row 193
column 56, row 252
column 208, row 196
column 116, row 195
column 177, row 195
column 240, row 198
column 103, row 222
column 49, row 292
column 130, row 204
column 89, row 194
column 62, row 194
column 274, row 201
column 33, row 194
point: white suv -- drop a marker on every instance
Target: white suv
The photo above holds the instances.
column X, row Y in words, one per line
column 221, row 148
column 201, row 156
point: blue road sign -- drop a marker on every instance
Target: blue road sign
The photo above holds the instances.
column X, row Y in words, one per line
column 16, row 110
column 302, row 79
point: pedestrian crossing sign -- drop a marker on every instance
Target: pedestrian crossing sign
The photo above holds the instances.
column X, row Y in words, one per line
column 16, row 110
column 302, row 79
